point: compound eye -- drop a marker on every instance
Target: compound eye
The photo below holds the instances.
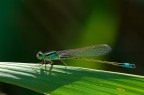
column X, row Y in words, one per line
column 40, row 55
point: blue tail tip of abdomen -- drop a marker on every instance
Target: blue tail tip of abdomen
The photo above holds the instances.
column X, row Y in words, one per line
column 128, row 65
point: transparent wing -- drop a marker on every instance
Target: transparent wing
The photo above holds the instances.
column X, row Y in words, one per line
column 95, row 50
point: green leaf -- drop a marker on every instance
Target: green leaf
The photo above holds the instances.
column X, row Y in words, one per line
column 61, row 80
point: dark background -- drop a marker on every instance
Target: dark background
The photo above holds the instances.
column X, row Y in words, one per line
column 28, row 26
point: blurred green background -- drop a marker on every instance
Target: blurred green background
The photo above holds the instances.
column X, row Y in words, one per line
column 29, row 26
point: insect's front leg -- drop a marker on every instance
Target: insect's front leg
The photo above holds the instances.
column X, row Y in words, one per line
column 49, row 62
column 42, row 62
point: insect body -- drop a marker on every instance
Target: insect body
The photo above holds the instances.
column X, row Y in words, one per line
column 80, row 54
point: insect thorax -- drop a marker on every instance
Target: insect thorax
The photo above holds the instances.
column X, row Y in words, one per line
column 51, row 55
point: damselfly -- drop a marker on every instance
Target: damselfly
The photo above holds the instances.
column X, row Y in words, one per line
column 80, row 54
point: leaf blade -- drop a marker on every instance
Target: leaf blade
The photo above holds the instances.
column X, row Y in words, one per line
column 70, row 80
